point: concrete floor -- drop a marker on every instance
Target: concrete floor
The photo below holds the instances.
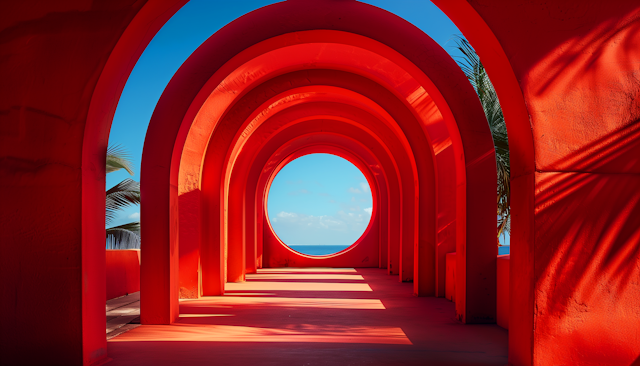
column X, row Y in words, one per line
column 313, row 316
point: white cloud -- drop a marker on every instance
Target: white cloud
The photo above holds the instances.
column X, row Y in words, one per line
column 340, row 222
column 368, row 210
column 354, row 190
column 365, row 187
column 134, row 216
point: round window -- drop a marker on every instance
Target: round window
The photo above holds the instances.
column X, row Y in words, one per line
column 319, row 204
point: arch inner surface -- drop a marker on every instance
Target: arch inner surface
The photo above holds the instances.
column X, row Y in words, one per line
column 344, row 124
column 300, row 109
column 565, row 75
column 424, row 101
column 426, row 203
column 312, row 133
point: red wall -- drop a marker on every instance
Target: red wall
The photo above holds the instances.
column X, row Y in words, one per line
column 576, row 200
column 502, row 307
column 123, row 272
column 450, row 280
column 575, row 179
column 57, row 58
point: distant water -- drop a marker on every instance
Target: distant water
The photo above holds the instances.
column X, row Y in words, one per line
column 330, row 249
column 318, row 249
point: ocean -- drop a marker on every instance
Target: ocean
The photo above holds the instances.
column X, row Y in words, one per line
column 330, row 249
column 318, row 249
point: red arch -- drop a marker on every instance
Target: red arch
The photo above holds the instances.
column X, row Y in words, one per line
column 318, row 76
column 372, row 141
column 304, row 111
column 252, row 145
column 101, row 108
column 529, row 40
column 293, row 10
column 313, row 131
column 192, row 168
column 282, row 58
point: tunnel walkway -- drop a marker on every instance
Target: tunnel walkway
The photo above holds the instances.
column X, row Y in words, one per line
column 314, row 316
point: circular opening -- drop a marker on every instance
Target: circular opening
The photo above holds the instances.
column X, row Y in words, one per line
column 319, row 204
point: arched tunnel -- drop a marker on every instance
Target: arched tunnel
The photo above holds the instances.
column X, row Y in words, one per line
column 345, row 78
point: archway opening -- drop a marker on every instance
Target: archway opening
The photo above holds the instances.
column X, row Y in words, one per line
column 319, row 204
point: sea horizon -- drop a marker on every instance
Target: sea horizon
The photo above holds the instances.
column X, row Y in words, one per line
column 326, row 249
column 318, row 249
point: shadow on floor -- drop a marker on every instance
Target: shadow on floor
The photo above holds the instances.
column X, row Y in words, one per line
column 321, row 316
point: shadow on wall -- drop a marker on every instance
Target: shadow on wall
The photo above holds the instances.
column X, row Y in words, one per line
column 592, row 73
column 591, row 209
column 587, row 200
column 590, row 57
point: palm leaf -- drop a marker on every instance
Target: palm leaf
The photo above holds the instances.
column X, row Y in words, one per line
column 121, row 196
column 474, row 70
column 118, row 158
column 125, row 236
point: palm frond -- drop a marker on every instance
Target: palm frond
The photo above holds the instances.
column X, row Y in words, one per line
column 120, row 196
column 118, row 158
column 125, row 236
column 474, row 70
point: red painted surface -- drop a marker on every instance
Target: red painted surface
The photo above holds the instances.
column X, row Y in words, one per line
column 123, row 272
column 407, row 262
column 189, row 225
column 294, row 137
column 310, row 130
column 575, row 165
column 380, row 323
column 565, row 72
column 428, row 253
column 348, row 117
column 216, row 105
column 62, row 68
column 502, row 304
column 450, row 281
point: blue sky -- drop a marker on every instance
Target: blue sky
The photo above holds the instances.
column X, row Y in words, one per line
column 319, row 199
column 183, row 33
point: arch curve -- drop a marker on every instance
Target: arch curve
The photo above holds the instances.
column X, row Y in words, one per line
column 456, row 103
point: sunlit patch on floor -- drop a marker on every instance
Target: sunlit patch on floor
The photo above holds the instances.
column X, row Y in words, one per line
column 360, row 304
column 297, row 286
column 307, row 270
column 300, row 333
column 306, row 276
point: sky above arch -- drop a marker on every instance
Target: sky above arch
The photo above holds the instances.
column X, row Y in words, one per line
column 189, row 28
